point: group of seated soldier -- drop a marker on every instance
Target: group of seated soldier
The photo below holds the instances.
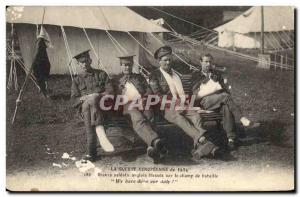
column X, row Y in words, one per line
column 135, row 97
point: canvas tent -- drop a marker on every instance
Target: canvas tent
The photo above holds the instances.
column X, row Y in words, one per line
column 120, row 22
column 244, row 31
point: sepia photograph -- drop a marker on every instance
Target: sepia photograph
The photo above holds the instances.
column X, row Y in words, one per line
column 150, row 98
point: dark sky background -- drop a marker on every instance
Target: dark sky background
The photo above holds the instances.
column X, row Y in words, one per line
column 206, row 16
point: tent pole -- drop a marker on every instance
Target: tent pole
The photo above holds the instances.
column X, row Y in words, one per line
column 19, row 99
column 262, row 30
column 275, row 66
column 43, row 16
column 71, row 69
column 24, row 67
column 286, row 59
column 12, row 81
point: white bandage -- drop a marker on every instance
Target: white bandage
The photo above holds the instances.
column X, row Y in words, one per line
column 131, row 92
column 209, row 88
column 104, row 141
column 245, row 121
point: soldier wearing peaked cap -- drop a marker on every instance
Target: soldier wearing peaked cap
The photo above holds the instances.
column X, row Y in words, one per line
column 162, row 51
column 164, row 81
column 134, row 86
column 87, row 88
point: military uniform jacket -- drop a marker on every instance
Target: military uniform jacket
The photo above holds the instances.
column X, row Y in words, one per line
column 137, row 80
column 199, row 78
column 88, row 82
column 159, row 84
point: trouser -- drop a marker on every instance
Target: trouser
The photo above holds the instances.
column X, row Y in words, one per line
column 228, row 109
column 93, row 117
column 141, row 124
column 188, row 121
column 91, row 148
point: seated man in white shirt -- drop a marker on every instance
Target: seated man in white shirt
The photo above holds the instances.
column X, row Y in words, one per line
column 212, row 93
column 134, row 87
column 165, row 82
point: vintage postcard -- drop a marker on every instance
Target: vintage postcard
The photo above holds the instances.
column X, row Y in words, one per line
column 150, row 98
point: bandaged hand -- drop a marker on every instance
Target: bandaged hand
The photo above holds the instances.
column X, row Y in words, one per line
column 208, row 88
column 83, row 98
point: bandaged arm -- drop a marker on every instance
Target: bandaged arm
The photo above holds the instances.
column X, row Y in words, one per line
column 208, row 88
